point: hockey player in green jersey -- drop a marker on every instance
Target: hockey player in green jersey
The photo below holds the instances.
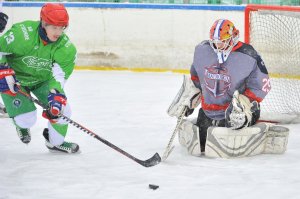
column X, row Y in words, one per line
column 40, row 59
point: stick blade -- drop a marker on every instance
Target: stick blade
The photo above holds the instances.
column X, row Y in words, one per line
column 154, row 160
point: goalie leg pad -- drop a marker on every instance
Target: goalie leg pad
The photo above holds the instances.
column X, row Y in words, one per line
column 277, row 139
column 227, row 143
column 188, row 136
column 254, row 140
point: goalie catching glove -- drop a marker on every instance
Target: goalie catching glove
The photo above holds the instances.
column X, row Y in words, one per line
column 241, row 112
column 188, row 96
column 56, row 102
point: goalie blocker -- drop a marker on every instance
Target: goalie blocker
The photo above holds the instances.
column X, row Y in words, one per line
column 222, row 142
column 188, row 96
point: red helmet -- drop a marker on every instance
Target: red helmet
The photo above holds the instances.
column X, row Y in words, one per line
column 55, row 14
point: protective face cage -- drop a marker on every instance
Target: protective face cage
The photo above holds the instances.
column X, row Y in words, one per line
column 223, row 37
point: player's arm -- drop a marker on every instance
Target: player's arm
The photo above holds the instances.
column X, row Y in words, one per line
column 244, row 109
column 8, row 82
column 63, row 67
column 61, row 71
column 194, row 77
column 195, row 99
column 188, row 97
column 258, row 84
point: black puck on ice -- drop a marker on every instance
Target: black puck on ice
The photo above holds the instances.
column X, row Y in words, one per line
column 153, row 186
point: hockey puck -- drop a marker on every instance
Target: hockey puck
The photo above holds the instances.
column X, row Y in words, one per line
column 153, row 186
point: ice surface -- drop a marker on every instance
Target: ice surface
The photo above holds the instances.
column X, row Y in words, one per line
column 129, row 110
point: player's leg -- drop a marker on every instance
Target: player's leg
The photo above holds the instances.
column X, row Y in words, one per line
column 55, row 135
column 192, row 134
column 23, row 113
column 204, row 122
column 57, row 129
column 188, row 137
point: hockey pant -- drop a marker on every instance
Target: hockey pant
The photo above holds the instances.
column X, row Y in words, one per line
column 23, row 112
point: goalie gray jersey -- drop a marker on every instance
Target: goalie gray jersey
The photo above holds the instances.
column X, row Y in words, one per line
column 244, row 70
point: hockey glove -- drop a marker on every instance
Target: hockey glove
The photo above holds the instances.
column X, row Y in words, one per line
column 56, row 104
column 8, row 82
column 188, row 96
column 241, row 112
column 3, row 21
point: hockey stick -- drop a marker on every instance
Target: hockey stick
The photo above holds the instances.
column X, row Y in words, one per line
column 169, row 147
column 154, row 160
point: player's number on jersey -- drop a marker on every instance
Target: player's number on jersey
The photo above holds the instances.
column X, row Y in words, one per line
column 267, row 85
column 10, row 37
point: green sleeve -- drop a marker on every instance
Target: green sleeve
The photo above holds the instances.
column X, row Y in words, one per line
column 63, row 66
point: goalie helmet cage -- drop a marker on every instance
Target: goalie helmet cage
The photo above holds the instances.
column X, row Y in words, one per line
column 274, row 31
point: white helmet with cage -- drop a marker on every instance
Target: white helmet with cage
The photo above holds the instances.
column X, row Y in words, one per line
column 223, row 37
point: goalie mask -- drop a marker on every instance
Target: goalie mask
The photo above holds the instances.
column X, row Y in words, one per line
column 223, row 37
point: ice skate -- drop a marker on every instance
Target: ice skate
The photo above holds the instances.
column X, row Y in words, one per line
column 24, row 135
column 66, row 147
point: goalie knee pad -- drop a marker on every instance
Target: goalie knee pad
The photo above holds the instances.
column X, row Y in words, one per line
column 188, row 136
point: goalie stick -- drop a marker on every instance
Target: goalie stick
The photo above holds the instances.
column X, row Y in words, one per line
column 169, row 147
column 154, row 160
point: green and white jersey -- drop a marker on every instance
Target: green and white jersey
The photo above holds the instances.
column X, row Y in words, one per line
column 35, row 63
column 2, row 59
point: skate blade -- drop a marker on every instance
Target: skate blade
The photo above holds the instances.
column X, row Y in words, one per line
column 63, row 153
